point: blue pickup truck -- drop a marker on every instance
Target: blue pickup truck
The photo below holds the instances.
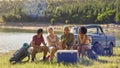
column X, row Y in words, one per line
column 97, row 36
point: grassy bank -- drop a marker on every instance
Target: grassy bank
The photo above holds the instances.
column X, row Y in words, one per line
column 104, row 61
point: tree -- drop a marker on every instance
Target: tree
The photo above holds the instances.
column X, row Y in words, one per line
column 66, row 21
column 117, row 17
column 52, row 21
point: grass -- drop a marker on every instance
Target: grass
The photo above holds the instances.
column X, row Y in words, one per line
column 102, row 62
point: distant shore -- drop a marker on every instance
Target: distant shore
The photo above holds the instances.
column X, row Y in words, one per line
column 32, row 27
column 58, row 27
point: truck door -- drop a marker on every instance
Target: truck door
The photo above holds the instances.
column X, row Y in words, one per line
column 102, row 37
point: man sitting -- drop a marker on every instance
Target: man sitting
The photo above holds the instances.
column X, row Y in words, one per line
column 35, row 45
column 67, row 39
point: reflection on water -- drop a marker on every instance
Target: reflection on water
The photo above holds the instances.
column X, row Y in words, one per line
column 13, row 41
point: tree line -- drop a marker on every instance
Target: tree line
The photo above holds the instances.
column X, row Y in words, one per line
column 70, row 11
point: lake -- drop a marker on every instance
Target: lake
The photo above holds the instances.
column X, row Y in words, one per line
column 14, row 40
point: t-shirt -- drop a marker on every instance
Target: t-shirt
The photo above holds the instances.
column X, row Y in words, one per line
column 37, row 40
column 83, row 39
column 69, row 39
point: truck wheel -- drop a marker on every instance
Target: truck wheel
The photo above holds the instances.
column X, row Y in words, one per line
column 111, row 50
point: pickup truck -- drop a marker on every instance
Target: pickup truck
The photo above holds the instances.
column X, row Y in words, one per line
column 97, row 36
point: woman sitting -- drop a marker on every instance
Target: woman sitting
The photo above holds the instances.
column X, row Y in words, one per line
column 83, row 41
column 53, row 42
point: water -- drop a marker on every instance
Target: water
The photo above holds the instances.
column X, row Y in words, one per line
column 13, row 41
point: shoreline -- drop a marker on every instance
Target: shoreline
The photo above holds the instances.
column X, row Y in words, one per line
column 29, row 29
column 110, row 29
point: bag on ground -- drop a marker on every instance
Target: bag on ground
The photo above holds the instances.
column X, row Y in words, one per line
column 91, row 54
column 20, row 54
column 99, row 50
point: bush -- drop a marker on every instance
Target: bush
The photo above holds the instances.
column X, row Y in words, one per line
column 52, row 21
column 10, row 18
column 24, row 18
column 66, row 21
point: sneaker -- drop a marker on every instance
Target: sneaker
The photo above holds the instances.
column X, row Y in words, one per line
column 32, row 60
column 44, row 58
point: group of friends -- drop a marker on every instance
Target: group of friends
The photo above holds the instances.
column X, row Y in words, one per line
column 67, row 41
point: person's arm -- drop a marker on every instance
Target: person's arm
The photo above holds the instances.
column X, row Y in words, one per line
column 57, row 39
column 85, row 40
column 32, row 43
column 63, row 39
column 43, row 42
column 63, row 42
column 88, row 41
column 74, row 41
column 79, row 40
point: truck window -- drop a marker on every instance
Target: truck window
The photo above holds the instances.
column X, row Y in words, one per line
column 74, row 30
column 99, row 31
column 92, row 30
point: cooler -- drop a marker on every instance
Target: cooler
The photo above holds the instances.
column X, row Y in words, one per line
column 67, row 56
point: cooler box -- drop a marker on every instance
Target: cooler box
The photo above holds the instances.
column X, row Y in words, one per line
column 67, row 56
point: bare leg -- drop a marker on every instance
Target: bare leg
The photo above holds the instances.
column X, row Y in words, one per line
column 60, row 46
column 45, row 50
column 33, row 54
column 84, row 49
column 52, row 52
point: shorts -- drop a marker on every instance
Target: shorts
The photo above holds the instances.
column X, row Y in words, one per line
column 50, row 47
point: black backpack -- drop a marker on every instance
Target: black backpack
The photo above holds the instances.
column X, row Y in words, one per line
column 92, row 55
column 99, row 50
column 20, row 54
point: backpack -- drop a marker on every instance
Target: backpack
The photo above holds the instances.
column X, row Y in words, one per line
column 91, row 54
column 20, row 54
column 99, row 50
